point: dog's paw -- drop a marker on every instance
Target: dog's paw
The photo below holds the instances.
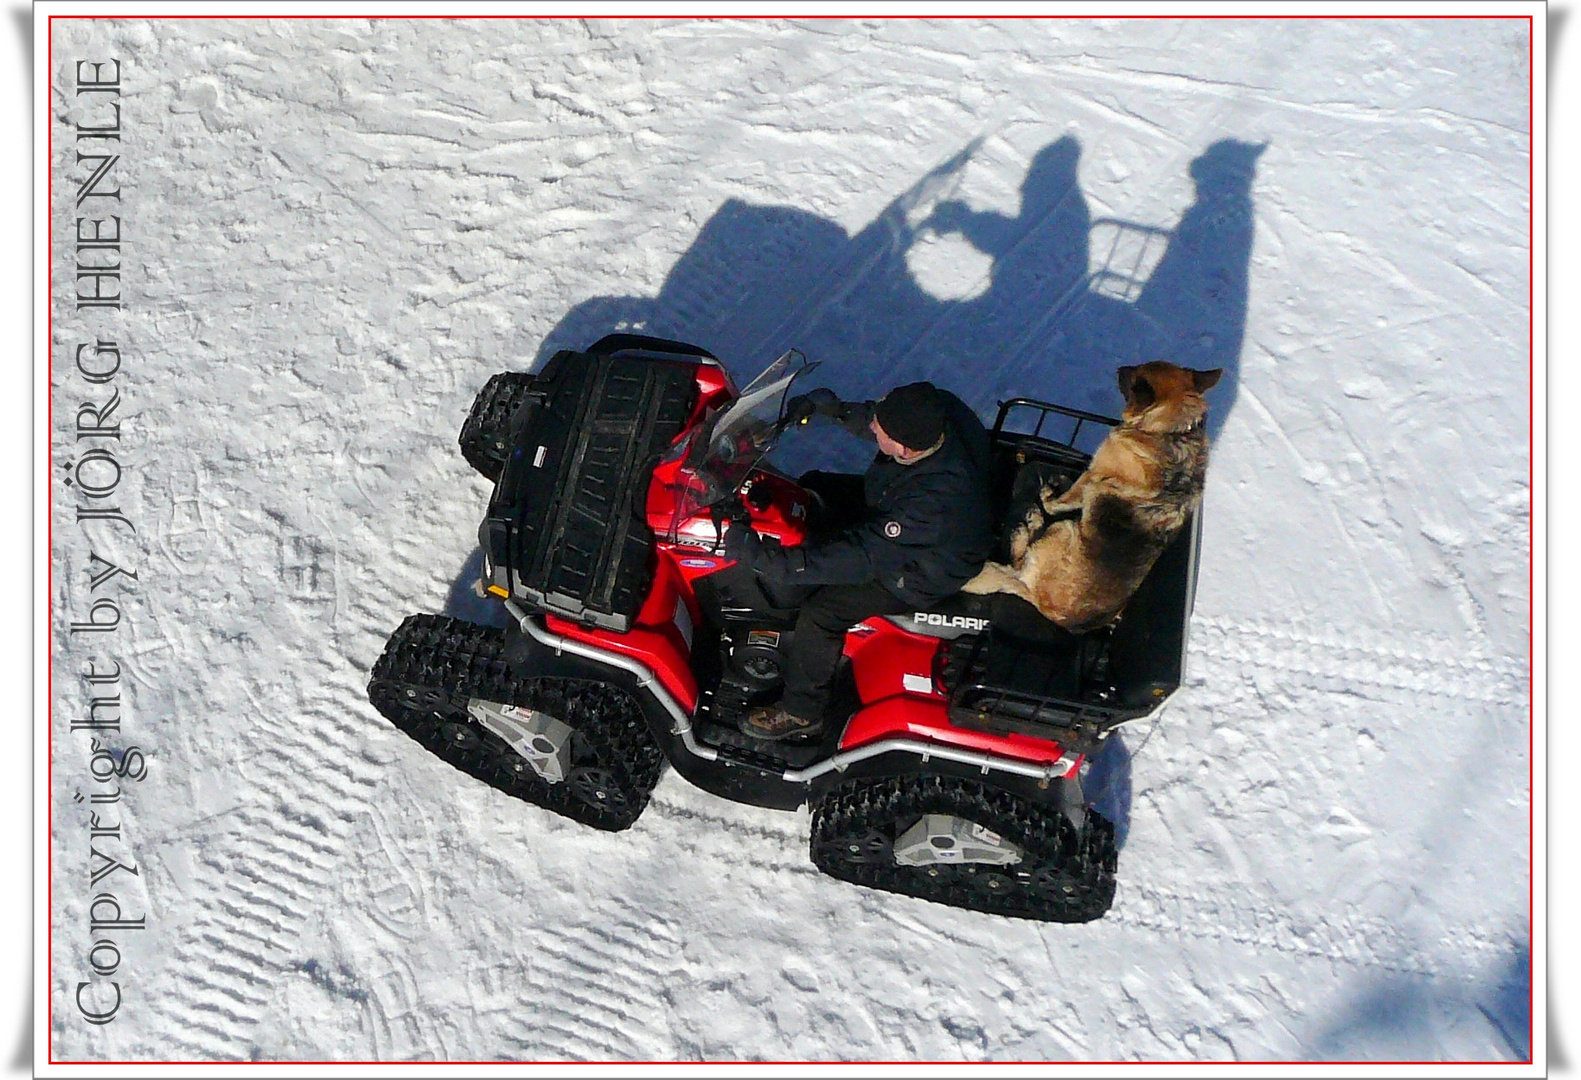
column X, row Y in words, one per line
column 1060, row 508
column 988, row 580
column 1024, row 532
column 1020, row 540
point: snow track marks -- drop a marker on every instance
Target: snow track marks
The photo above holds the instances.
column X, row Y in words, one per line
column 598, row 988
column 302, row 788
column 596, row 991
column 1413, row 666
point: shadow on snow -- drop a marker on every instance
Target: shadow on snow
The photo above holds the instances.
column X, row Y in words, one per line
column 1069, row 298
column 1402, row 1017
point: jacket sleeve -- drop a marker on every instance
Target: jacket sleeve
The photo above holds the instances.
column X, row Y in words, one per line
column 842, row 560
column 855, row 416
column 880, row 549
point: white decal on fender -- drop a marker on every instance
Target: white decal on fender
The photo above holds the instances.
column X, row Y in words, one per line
column 929, row 618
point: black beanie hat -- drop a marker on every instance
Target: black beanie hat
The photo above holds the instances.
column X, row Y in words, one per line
column 912, row 415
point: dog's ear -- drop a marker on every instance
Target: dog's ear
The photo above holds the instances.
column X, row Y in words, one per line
column 1140, row 393
column 1206, row 380
column 1125, row 381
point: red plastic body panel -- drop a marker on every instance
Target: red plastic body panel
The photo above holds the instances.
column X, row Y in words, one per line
column 910, row 717
column 655, row 638
column 882, row 656
column 714, row 388
column 692, row 563
column 784, row 518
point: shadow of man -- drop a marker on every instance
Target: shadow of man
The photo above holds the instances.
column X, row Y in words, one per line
column 1063, row 314
column 762, row 279
column 1039, row 270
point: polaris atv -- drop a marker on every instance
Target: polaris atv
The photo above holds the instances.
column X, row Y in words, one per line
column 951, row 760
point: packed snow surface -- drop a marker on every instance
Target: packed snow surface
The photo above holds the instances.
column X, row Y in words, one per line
column 337, row 231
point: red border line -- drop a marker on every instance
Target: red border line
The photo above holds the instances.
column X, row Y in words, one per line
column 854, row 16
column 49, row 480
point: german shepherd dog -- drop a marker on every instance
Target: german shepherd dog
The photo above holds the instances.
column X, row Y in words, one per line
column 1078, row 557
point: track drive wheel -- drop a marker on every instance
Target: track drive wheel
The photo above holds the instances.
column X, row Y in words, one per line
column 594, row 760
column 965, row 844
column 486, row 436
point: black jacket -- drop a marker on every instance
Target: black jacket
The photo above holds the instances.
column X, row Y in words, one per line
column 926, row 530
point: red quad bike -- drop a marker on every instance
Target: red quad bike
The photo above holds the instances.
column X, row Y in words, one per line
column 950, row 764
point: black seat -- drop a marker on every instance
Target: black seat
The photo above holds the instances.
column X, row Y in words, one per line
column 966, row 613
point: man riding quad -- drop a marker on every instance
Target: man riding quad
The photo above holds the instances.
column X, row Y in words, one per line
column 911, row 530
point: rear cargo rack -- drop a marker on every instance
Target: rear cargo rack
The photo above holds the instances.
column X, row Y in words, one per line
column 1060, row 449
column 1059, row 695
column 1075, row 718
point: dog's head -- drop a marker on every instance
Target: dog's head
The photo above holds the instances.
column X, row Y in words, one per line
column 1162, row 397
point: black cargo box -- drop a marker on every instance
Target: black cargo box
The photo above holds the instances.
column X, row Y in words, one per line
column 567, row 520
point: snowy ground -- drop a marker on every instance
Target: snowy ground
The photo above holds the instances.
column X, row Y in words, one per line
column 337, row 232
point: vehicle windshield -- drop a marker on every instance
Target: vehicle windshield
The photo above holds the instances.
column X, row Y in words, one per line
column 732, row 442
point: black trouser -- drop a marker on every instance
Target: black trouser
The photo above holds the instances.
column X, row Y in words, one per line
column 814, row 651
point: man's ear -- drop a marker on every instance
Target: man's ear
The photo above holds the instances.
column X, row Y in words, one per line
column 1206, row 380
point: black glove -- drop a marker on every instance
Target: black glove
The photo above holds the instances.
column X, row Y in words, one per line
column 742, row 543
column 819, row 402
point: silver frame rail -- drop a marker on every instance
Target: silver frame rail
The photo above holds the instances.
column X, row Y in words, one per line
column 839, row 762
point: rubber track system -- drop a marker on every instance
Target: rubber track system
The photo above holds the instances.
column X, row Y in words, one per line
column 1065, row 876
column 432, row 665
column 485, row 437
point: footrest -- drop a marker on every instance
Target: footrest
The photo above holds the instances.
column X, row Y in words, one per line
column 773, row 757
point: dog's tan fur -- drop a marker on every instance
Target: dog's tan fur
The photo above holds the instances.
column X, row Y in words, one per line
column 1079, row 557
